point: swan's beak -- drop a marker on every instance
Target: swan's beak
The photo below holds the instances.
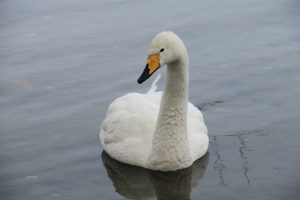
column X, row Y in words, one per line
column 153, row 63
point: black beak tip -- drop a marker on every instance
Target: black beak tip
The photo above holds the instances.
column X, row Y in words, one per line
column 139, row 81
column 144, row 76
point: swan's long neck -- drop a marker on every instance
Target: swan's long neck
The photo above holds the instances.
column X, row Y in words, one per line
column 170, row 147
column 174, row 100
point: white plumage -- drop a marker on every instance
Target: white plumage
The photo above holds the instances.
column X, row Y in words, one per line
column 154, row 130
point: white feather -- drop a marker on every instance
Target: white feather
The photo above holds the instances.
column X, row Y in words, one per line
column 153, row 87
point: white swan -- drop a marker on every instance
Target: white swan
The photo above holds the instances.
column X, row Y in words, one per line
column 158, row 131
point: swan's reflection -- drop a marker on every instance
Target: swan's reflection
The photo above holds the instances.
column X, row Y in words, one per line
column 139, row 183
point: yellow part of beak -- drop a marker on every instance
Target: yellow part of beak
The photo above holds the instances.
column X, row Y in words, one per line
column 153, row 62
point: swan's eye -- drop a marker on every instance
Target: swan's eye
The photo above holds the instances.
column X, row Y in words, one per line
column 162, row 50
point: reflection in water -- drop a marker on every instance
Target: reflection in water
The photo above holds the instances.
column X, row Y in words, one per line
column 139, row 183
column 243, row 149
column 243, row 154
column 219, row 166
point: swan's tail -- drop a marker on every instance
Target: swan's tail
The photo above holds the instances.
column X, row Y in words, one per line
column 154, row 84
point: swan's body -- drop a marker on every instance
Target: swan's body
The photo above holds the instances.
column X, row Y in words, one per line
column 159, row 131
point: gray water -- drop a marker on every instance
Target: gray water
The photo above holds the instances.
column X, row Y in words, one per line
column 63, row 62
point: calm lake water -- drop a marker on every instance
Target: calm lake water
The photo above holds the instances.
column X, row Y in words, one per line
column 63, row 62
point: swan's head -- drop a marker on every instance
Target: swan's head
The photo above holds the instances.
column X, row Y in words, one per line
column 166, row 47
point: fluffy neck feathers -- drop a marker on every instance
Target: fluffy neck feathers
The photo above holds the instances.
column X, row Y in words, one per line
column 170, row 147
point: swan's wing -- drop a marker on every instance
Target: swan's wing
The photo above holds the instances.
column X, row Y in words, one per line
column 197, row 132
column 126, row 133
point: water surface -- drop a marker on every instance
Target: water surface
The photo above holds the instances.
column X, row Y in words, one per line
column 63, row 62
